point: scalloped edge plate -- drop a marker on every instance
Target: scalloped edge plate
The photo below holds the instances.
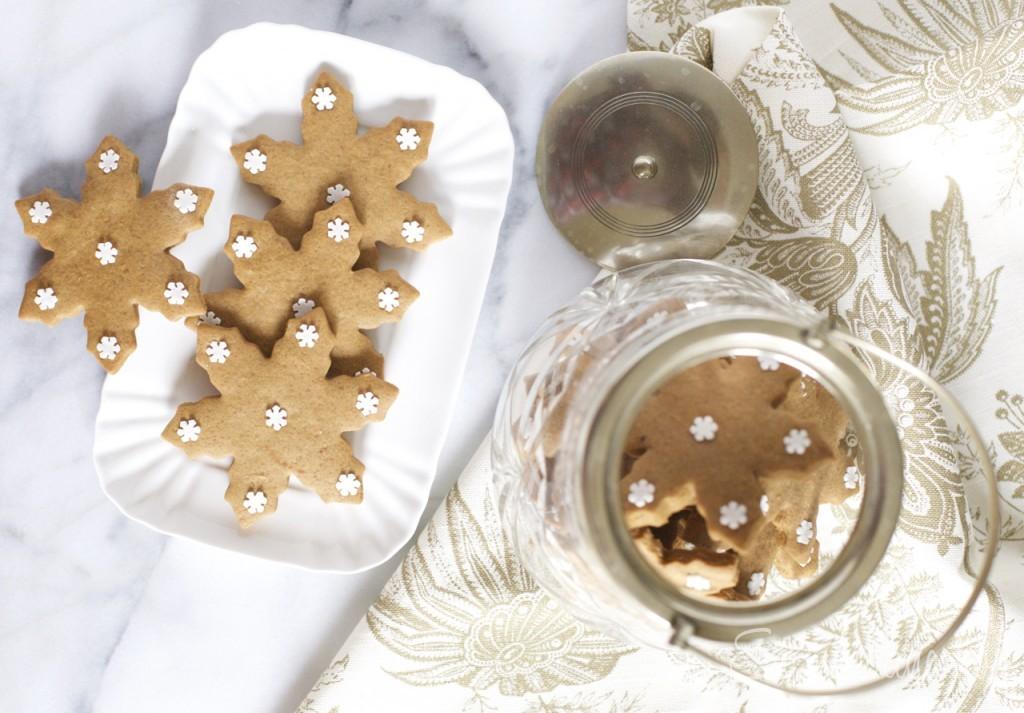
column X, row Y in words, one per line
column 233, row 93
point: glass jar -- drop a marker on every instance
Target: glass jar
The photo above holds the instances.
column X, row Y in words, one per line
column 567, row 408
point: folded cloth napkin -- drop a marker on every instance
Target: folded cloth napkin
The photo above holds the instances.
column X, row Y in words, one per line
column 891, row 192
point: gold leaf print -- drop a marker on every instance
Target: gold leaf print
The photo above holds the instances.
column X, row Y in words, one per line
column 946, row 59
column 695, row 45
column 817, row 269
column 933, row 490
column 900, row 610
column 463, row 608
column 952, row 307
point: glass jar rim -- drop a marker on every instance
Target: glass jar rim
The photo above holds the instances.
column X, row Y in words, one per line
column 624, row 386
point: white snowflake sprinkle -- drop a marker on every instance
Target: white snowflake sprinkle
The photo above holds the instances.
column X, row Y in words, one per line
column 188, row 430
column 733, row 515
column 755, row 584
column 703, row 428
column 337, row 230
column 323, row 99
column 45, row 298
column 408, row 139
column 348, row 485
column 244, row 246
column 255, row 502
column 176, row 293
column 186, row 201
column 768, row 362
column 307, row 335
column 106, row 253
column 255, row 161
column 365, row 371
column 367, row 403
column 797, row 442
column 40, row 211
column 851, row 478
column 218, row 351
column 641, row 493
column 108, row 161
column 697, row 582
column 302, row 307
column 764, row 504
column 412, row 231
column 108, row 348
column 337, row 192
column 277, row 417
column 387, row 299
column 805, row 532
column 210, row 319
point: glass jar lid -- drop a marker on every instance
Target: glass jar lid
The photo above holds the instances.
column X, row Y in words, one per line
column 646, row 156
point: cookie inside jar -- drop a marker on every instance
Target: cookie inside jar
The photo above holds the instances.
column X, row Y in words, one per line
column 740, row 478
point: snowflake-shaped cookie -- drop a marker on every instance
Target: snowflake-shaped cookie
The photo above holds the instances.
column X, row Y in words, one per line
column 281, row 282
column 715, row 464
column 333, row 156
column 111, row 252
column 278, row 416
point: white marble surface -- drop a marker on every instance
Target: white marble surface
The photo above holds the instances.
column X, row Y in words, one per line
column 100, row 613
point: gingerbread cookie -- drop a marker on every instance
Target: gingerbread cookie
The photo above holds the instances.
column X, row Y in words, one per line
column 282, row 282
column 790, row 497
column 110, row 252
column 335, row 161
column 705, row 437
column 279, row 416
column 692, row 570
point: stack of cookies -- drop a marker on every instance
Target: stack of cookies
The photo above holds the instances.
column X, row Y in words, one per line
column 287, row 350
column 725, row 469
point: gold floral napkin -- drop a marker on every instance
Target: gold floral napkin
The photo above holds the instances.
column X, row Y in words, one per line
column 891, row 194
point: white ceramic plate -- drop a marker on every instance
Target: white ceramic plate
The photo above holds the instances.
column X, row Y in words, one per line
column 252, row 81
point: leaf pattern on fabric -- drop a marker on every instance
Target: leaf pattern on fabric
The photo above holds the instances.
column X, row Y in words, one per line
column 463, row 607
column 952, row 307
column 947, row 59
column 933, row 490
